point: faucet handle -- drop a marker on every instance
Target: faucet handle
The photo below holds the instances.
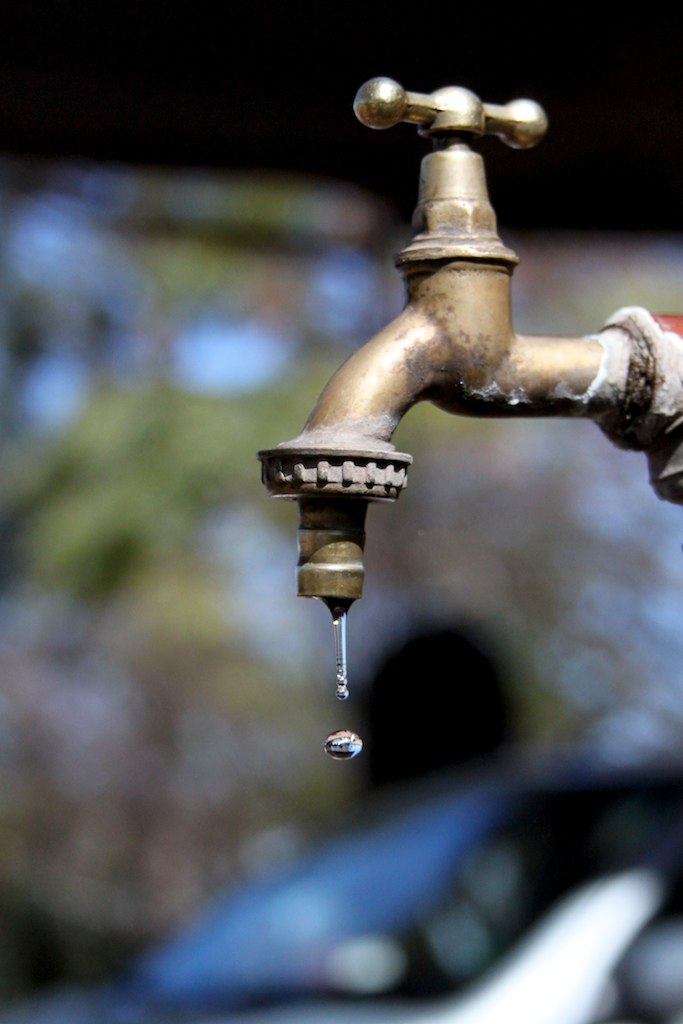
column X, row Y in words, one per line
column 382, row 103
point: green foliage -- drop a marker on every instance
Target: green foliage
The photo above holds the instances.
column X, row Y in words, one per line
column 128, row 483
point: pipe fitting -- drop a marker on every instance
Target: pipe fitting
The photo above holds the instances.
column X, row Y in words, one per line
column 331, row 539
column 651, row 416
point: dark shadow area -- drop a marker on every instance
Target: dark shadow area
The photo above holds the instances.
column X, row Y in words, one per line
column 436, row 702
column 271, row 86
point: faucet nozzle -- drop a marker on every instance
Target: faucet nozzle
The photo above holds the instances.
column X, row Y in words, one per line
column 333, row 488
column 331, row 539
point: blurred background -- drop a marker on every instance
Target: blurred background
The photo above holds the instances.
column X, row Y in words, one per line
column 194, row 232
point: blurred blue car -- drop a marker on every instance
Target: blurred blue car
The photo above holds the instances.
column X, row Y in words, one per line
column 518, row 891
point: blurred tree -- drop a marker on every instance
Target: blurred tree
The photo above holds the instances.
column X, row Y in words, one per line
column 146, row 321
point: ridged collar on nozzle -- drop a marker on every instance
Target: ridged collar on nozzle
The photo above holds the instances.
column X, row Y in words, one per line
column 299, row 472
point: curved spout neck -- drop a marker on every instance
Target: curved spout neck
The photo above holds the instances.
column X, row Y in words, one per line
column 453, row 345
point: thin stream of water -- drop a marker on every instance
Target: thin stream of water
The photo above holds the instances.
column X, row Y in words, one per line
column 339, row 624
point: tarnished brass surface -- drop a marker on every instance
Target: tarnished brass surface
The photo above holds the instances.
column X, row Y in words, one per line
column 454, row 217
column 331, row 538
column 322, row 473
column 454, row 345
column 383, row 103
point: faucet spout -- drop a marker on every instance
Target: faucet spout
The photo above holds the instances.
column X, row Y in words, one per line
column 331, row 538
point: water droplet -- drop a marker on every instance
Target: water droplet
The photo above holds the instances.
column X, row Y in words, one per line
column 342, row 691
column 343, row 744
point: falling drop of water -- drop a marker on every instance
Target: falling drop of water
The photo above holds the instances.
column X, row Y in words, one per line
column 343, row 744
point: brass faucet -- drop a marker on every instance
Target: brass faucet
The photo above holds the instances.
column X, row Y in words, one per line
column 454, row 345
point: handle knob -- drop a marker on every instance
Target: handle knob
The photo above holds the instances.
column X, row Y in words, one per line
column 382, row 103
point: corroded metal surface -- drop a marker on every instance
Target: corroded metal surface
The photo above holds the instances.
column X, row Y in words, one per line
column 323, row 474
column 454, row 345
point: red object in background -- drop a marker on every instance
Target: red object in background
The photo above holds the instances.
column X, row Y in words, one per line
column 670, row 322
